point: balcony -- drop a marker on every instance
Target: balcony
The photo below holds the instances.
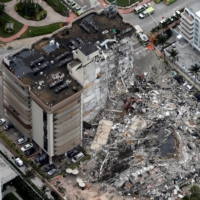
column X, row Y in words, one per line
column 189, row 38
column 187, row 18
column 185, row 24
column 187, row 31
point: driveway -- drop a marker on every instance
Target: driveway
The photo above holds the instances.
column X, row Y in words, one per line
column 52, row 16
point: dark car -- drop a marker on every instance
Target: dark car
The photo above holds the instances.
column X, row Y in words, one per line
column 71, row 153
column 29, row 152
column 40, row 158
column 49, row 167
column 8, row 126
column 179, row 79
column 197, row 97
column 43, row 162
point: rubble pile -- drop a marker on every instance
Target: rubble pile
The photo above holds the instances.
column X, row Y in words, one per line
column 153, row 145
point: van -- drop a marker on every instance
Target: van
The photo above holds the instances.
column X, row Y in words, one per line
column 77, row 157
column 19, row 162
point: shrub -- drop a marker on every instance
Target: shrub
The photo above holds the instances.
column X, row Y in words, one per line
column 10, row 196
column 27, row 17
column 16, row 7
column 41, row 15
column 75, row 165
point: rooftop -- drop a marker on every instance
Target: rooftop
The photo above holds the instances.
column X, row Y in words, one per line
column 194, row 6
column 7, row 174
column 43, row 65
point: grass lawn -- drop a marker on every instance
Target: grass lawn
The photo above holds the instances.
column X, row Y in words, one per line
column 124, row 3
column 33, row 31
column 58, row 7
column 17, row 25
column 4, row 1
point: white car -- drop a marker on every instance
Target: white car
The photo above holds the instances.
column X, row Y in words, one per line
column 52, row 171
column 2, row 121
column 77, row 157
column 21, row 140
column 187, row 86
column 26, row 147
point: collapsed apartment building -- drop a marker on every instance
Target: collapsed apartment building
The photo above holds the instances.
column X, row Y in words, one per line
column 51, row 87
column 146, row 145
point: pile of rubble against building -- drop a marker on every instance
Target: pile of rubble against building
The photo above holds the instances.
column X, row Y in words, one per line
column 153, row 142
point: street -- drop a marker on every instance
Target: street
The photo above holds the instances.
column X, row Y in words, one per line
column 161, row 10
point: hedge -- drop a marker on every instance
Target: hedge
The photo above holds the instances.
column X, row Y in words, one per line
column 10, row 196
column 41, row 14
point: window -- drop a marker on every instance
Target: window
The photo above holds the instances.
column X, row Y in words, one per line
column 45, row 124
column 45, row 141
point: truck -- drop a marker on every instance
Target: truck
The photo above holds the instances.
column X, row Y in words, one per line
column 167, row 2
column 146, row 13
column 142, row 37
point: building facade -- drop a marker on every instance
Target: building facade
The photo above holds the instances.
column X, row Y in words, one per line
column 190, row 24
column 50, row 88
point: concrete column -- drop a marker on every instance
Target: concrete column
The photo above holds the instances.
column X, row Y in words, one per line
column 50, row 136
column 81, row 117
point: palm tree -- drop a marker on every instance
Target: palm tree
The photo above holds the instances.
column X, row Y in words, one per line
column 173, row 54
column 194, row 70
column 29, row 174
column 44, row 189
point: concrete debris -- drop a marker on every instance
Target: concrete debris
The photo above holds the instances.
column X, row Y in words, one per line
column 147, row 142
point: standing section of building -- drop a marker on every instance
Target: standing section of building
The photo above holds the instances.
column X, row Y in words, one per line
column 51, row 87
column 190, row 24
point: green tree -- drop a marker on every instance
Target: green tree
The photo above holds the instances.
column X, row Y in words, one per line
column 195, row 194
column 194, row 70
column 173, row 54
column 44, row 189
column 29, row 174
column 2, row 8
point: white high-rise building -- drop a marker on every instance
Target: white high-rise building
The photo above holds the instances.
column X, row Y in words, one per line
column 190, row 24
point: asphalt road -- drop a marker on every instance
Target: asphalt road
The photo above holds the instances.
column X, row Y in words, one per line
column 161, row 10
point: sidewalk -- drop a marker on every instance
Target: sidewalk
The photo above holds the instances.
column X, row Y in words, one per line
column 124, row 11
column 9, row 39
column 52, row 17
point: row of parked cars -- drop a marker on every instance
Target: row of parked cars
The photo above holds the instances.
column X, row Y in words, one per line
column 75, row 7
column 42, row 158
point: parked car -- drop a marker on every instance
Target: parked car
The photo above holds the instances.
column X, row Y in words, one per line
column 27, row 147
column 71, row 153
column 29, row 152
column 2, row 121
column 52, row 171
column 40, row 158
column 19, row 162
column 187, row 86
column 77, row 8
column 49, row 167
column 43, row 162
column 73, row 4
column 69, row 2
column 77, row 157
column 21, row 140
column 8, row 126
